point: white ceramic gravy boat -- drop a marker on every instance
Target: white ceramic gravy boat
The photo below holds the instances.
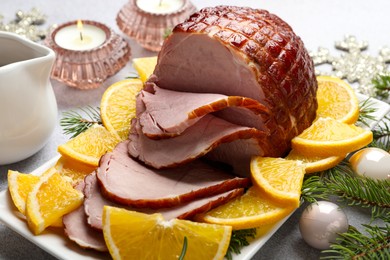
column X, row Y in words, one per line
column 28, row 108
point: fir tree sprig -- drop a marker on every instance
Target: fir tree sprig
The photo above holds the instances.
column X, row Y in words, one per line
column 238, row 240
column 313, row 189
column 356, row 245
column 382, row 134
column 74, row 123
column 358, row 191
column 366, row 112
column 382, row 85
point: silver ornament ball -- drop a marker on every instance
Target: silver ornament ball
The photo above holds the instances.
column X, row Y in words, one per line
column 321, row 223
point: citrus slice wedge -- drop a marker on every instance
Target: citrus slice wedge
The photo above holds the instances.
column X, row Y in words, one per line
column 251, row 210
column 329, row 137
column 134, row 235
column 315, row 163
column 117, row 106
column 72, row 169
column 89, row 146
column 278, row 179
column 145, row 66
column 19, row 186
column 50, row 198
column 337, row 99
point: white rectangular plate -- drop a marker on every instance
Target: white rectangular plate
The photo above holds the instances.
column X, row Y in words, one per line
column 54, row 241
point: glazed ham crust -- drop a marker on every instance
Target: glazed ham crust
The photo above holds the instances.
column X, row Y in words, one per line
column 240, row 51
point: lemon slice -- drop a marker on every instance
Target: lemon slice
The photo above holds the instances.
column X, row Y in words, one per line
column 117, row 106
column 337, row 99
column 134, row 235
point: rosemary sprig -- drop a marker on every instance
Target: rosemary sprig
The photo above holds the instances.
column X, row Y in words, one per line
column 167, row 32
column 184, row 249
column 74, row 123
column 238, row 240
column 356, row 245
column 133, row 75
column 382, row 85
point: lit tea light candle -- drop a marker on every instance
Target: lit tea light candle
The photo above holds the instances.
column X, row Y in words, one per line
column 80, row 36
column 160, row 6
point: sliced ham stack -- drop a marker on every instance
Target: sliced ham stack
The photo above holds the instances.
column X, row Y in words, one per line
column 230, row 83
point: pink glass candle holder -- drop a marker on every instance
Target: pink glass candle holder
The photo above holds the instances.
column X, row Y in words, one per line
column 86, row 60
column 147, row 21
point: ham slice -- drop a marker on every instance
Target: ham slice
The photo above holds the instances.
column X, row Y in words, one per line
column 126, row 181
column 77, row 230
column 95, row 201
column 168, row 113
column 196, row 141
column 240, row 51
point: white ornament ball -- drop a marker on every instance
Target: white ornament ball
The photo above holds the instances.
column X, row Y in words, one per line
column 371, row 162
column 320, row 224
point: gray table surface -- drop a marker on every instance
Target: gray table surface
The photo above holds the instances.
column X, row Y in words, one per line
column 318, row 23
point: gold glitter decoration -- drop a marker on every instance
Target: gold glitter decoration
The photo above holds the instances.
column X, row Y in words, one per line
column 26, row 24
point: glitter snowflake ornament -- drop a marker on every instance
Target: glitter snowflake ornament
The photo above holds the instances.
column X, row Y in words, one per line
column 354, row 65
column 26, row 24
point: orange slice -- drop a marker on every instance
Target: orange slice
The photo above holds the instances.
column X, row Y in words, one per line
column 329, row 137
column 51, row 198
column 145, row 66
column 89, row 146
column 117, row 106
column 248, row 211
column 72, row 169
column 278, row 179
column 20, row 185
column 337, row 99
column 315, row 163
column 134, row 235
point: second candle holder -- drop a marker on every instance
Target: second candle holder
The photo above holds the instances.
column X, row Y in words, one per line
column 86, row 65
column 147, row 21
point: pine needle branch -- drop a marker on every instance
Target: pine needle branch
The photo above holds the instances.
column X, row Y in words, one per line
column 355, row 191
column 356, row 245
column 313, row 189
column 366, row 111
column 382, row 85
column 238, row 240
column 382, row 135
column 74, row 123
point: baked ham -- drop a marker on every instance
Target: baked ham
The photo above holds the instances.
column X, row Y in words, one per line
column 245, row 52
column 209, row 132
column 95, row 201
column 168, row 113
column 77, row 230
column 126, row 181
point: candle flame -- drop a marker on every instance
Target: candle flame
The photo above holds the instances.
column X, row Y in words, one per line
column 80, row 28
column 80, row 25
